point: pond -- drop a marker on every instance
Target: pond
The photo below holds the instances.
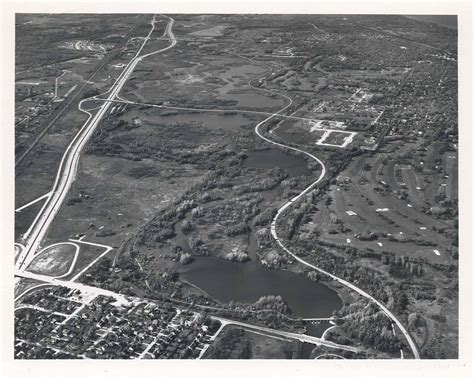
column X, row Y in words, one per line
column 210, row 121
column 253, row 100
column 247, row 282
column 270, row 158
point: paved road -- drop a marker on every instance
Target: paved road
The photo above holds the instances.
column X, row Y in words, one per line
column 68, row 166
column 66, row 176
column 297, row 336
column 66, row 103
column 211, row 110
column 295, row 199
column 298, row 197
column 122, row 299
column 73, row 285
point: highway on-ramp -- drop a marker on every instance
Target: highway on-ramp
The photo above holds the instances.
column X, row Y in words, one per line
column 68, row 166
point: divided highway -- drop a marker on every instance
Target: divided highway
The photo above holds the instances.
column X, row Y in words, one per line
column 68, row 166
column 70, row 99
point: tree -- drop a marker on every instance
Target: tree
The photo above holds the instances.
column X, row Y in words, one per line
column 412, row 320
column 187, row 226
column 185, row 258
column 400, row 301
column 103, row 268
column 214, row 326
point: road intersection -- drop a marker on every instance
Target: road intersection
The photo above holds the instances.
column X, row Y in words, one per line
column 384, row 309
column 69, row 162
column 66, row 176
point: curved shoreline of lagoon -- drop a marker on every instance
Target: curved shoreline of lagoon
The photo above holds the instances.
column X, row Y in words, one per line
column 247, row 282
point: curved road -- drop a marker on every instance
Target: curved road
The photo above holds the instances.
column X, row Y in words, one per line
column 68, row 166
column 69, row 162
column 298, row 197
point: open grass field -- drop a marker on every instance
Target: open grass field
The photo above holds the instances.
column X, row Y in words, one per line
column 41, row 165
column 55, row 260
column 369, row 203
column 25, row 217
column 208, row 78
column 265, row 347
column 175, row 171
column 68, row 58
column 87, row 254
column 239, row 343
column 119, row 195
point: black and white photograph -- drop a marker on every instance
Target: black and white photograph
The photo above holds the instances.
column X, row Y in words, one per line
column 236, row 186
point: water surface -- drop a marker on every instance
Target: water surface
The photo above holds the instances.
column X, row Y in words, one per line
column 247, row 282
column 270, row 158
column 211, row 121
column 252, row 100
